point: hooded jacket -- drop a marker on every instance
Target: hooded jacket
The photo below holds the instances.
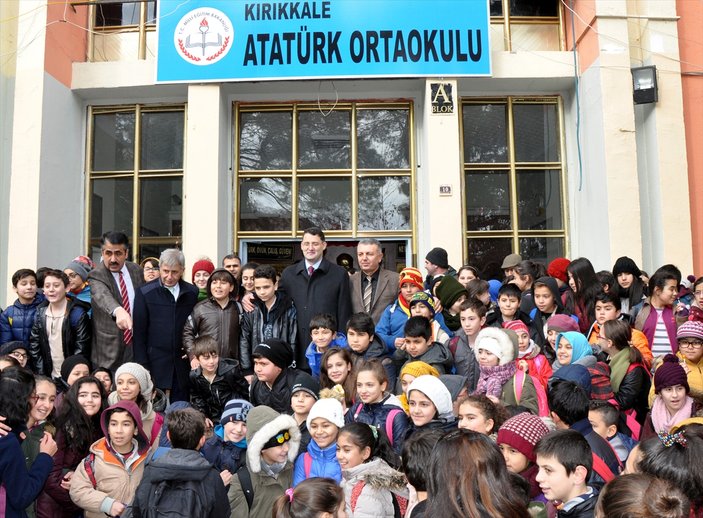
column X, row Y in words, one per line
column 376, row 497
column 116, row 479
column 211, row 319
column 210, row 398
column 263, row 423
column 324, row 463
column 16, row 321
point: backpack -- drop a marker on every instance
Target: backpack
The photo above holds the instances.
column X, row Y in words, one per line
column 602, row 389
column 176, row 498
column 542, row 406
column 89, row 466
column 389, row 420
column 247, row 487
column 400, row 504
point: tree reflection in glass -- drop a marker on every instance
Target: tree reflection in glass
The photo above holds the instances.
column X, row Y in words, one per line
column 264, row 204
column 383, row 141
column 384, row 203
column 265, row 141
column 324, row 142
column 325, row 203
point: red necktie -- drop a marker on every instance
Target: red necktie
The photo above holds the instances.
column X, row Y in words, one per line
column 310, row 270
column 125, row 305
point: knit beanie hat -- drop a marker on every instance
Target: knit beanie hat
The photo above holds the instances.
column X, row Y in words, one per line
column 423, row 298
column 418, row 369
column 438, row 256
column 306, row 383
column 579, row 344
column 203, row 264
column 690, row 329
column 562, row 323
column 669, row 374
column 327, row 408
column 81, row 269
column 435, row 391
column 141, row 374
column 276, row 351
column 8, row 347
column 557, row 269
column 70, row 363
column 522, row 432
column 516, row 325
column 577, row 374
column 625, row 265
column 235, row 410
column 411, row 275
column 496, row 341
column 450, row 289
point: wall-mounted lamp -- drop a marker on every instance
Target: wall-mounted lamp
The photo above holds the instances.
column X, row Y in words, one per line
column 644, row 84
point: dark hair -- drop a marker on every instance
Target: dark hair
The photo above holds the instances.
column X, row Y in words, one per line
column 418, row 327
column 608, row 297
column 233, row 255
column 79, row 428
column 465, row 470
column 109, row 373
column 672, row 269
column 349, row 384
column 607, row 411
column 16, row 385
column 13, row 361
column 115, row 238
column 266, row 271
column 510, row 290
column 474, row 305
column 153, row 260
column 607, row 280
column 587, row 285
column 488, row 408
column 375, row 366
column 220, row 274
column 469, row 268
column 323, row 321
column 185, row 428
column 635, row 293
column 315, row 231
column 415, row 456
column 528, row 268
column 362, row 435
column 21, row 274
column 361, row 323
column 569, row 448
column 697, row 283
column 205, row 344
column 51, row 272
column 639, row 495
column 568, row 401
column 476, row 287
column 250, row 266
column 620, row 333
column 310, row 498
column 107, row 414
column 659, row 279
column 41, row 273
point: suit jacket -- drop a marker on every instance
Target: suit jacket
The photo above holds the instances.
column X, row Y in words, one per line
column 109, row 349
column 386, row 293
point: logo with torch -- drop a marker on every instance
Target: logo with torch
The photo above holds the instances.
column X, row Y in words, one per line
column 203, row 36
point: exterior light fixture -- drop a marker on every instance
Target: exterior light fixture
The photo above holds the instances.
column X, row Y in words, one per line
column 644, row 84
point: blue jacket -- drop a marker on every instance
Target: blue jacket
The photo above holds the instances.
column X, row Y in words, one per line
column 391, row 325
column 324, row 464
column 16, row 321
column 224, row 454
column 376, row 415
column 315, row 358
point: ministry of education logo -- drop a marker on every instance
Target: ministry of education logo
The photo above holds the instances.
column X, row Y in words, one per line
column 203, row 36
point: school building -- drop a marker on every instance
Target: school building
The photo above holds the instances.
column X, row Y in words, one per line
column 482, row 126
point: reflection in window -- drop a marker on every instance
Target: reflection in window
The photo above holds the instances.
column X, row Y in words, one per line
column 111, row 206
column 534, row 7
column 487, row 255
column 113, row 142
column 541, row 249
column 324, row 142
column 488, row 201
column 539, row 200
column 325, row 203
column 162, row 132
column 265, row 141
column 532, row 25
column 383, row 139
column 537, row 139
column 485, row 133
column 161, row 207
column 384, row 203
column 264, row 204
column 117, row 14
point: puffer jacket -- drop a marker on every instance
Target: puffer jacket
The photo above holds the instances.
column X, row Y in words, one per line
column 210, row 398
column 465, row 361
column 315, row 357
column 75, row 336
column 376, row 414
column 391, row 325
column 278, row 396
column 17, row 320
column 376, row 497
column 261, row 324
column 323, row 463
column 210, row 319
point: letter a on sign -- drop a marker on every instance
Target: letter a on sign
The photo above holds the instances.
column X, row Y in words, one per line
column 442, row 101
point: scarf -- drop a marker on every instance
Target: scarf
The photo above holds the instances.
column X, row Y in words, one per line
column 272, row 470
column 528, row 351
column 618, row 368
column 404, row 305
column 492, row 379
column 453, row 322
column 662, row 420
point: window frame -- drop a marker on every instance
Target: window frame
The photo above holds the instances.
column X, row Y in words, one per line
column 506, row 20
column 143, row 27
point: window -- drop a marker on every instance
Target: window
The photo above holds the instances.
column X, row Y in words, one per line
column 346, row 169
column 123, row 30
column 513, row 179
column 526, row 25
column 135, row 172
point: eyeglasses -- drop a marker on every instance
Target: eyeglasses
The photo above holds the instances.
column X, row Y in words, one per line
column 149, row 269
column 72, row 275
column 690, row 344
column 18, row 355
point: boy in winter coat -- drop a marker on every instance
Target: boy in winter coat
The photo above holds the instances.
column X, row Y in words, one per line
column 226, row 448
column 545, row 294
column 16, row 321
column 418, row 346
column 274, row 378
column 106, row 481
column 324, row 421
column 472, row 315
column 324, row 334
column 272, row 445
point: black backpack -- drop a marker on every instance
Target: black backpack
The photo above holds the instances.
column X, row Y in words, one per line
column 176, row 498
column 247, row 487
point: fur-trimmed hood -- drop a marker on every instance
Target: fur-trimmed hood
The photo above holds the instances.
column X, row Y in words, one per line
column 497, row 342
column 378, row 475
column 263, row 423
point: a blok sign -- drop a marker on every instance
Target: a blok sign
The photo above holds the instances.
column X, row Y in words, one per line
column 242, row 40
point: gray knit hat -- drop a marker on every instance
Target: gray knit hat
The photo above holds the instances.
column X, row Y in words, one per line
column 141, row 374
column 80, row 268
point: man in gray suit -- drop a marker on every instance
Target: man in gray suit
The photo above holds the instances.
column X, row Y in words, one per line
column 372, row 288
column 113, row 283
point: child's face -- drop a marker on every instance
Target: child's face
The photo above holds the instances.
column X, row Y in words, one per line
column 322, row 337
column 605, row 311
column 544, row 299
column 265, row 289
column 487, row 358
column 200, row 279
column 515, row 461
column 625, row 279
column 565, row 352
column 698, row 294
column 600, row 426
column 407, row 290
column 77, row 372
column 235, row 431
column 121, row 429
column 248, row 279
column 323, row 432
column 337, row 369
column 420, row 310
column 266, row 370
column 405, row 382
column 422, row 410
column 471, row 418
column 277, row 454
column 690, row 348
column 44, row 404
column 485, row 297
column 209, row 362
column 554, row 482
column 349, row 455
column 20, row 355
column 358, row 340
column 220, row 289
column 26, row 289
column 416, row 345
column 508, row 305
column 457, row 304
column 668, row 294
column 301, row 402
column 75, row 282
column 54, row 289
column 368, row 388
column 552, row 337
column 104, row 378
column 89, row 398
column 127, row 387
column 466, row 276
column 673, row 397
column 470, row 322
column 523, row 341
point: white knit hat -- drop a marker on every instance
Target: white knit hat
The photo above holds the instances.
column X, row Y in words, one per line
column 142, row 376
column 437, row 392
column 329, row 409
column 496, row 341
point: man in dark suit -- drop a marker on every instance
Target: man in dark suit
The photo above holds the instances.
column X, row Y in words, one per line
column 373, row 288
column 316, row 286
column 112, row 310
column 161, row 309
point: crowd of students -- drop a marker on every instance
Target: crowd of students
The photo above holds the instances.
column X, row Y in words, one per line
column 555, row 391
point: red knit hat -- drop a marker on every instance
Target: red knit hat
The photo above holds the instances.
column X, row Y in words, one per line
column 522, row 432
column 557, row 268
column 203, row 264
column 517, row 326
column 411, row 275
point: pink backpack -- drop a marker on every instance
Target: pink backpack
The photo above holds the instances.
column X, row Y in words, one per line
column 389, row 420
column 520, row 378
